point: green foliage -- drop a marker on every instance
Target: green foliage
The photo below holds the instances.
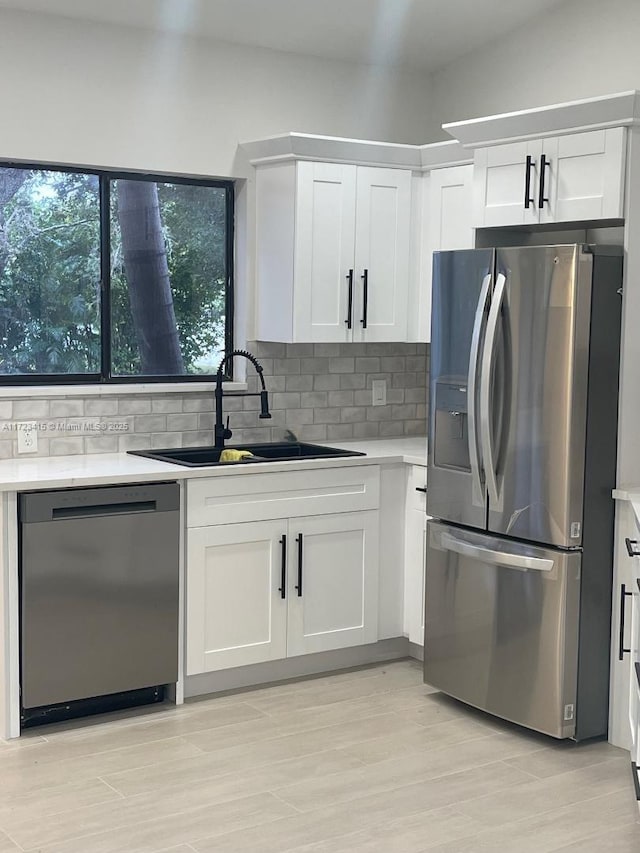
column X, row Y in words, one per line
column 49, row 281
column 50, row 274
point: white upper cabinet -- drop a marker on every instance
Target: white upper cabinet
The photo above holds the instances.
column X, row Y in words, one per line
column 571, row 178
column 449, row 222
column 383, row 210
column 324, row 251
column 332, row 252
column 504, row 185
column 443, row 222
column 585, row 176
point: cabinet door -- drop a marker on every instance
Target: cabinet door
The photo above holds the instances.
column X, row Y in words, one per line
column 585, row 176
column 415, row 554
column 633, row 609
column 447, row 224
column 415, row 568
column 383, row 213
column 336, row 564
column 500, row 184
column 235, row 612
column 324, row 251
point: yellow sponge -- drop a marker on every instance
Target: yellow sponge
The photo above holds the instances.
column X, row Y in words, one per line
column 230, row 455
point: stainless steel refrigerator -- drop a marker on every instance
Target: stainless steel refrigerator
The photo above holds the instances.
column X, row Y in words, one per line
column 522, row 453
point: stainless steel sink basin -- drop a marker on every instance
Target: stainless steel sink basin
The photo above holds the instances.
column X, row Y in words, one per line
column 278, row 451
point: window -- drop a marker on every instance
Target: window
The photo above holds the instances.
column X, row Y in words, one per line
column 113, row 278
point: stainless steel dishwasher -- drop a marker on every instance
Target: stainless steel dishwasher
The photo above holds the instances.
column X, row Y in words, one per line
column 98, row 598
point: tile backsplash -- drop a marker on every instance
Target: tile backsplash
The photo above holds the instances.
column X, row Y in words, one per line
column 320, row 392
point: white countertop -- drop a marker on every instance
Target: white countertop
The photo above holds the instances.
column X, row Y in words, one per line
column 55, row 472
column 631, row 494
column 626, row 493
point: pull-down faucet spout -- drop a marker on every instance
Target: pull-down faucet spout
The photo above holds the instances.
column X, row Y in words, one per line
column 222, row 432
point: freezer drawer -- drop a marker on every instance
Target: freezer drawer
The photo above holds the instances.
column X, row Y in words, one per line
column 501, row 626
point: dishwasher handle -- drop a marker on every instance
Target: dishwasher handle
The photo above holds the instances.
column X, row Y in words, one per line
column 133, row 499
column 102, row 509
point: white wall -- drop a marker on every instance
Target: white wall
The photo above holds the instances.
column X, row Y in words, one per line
column 108, row 96
column 98, row 95
column 581, row 49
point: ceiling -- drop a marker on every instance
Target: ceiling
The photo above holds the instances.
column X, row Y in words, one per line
column 418, row 34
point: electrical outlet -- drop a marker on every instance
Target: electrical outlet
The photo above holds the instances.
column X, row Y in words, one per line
column 27, row 438
column 379, row 392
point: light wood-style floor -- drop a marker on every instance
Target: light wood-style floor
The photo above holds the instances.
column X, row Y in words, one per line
column 369, row 761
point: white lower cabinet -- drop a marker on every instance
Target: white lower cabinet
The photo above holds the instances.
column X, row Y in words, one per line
column 624, row 706
column 267, row 590
column 333, row 582
column 415, row 555
column 262, row 588
column 235, row 615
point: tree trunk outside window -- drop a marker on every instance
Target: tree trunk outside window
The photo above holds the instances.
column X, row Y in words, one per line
column 10, row 182
column 147, row 273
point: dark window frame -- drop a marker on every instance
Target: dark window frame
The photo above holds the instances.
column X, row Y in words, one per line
column 105, row 376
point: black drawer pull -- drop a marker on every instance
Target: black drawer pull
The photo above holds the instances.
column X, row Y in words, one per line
column 365, row 298
column 349, row 320
column 421, row 489
column 282, row 589
column 299, row 584
column 635, row 770
column 631, row 549
column 543, row 168
column 621, row 649
column 528, row 201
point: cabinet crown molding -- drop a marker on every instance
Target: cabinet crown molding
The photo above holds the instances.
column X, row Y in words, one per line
column 617, row 110
column 360, row 152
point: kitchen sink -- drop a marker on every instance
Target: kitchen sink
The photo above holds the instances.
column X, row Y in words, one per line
column 277, row 451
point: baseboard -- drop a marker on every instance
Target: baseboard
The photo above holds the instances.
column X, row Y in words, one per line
column 297, row 667
column 416, row 651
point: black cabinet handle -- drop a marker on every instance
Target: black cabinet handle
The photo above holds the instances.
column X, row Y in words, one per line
column 631, row 550
column 365, row 298
column 299, row 584
column 528, row 201
column 635, row 770
column 349, row 320
column 421, row 489
column 282, row 589
column 543, row 168
column 621, row 649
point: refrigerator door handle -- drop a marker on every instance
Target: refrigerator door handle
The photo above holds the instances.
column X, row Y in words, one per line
column 472, row 431
column 485, row 389
column 522, row 562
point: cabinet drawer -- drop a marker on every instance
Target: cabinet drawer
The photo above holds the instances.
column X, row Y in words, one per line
column 417, row 480
column 288, row 494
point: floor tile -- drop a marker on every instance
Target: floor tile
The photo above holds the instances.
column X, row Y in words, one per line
column 7, row 845
column 235, row 783
column 398, row 772
column 542, row 795
column 547, row 831
column 624, row 839
column 407, row 835
column 365, row 813
column 176, row 828
column 565, row 756
column 364, row 761
column 28, row 777
column 34, row 806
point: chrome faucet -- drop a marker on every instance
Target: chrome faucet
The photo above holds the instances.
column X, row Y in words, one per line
column 222, row 432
